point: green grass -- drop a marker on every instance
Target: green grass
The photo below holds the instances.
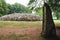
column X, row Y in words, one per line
column 20, row 23
column 57, row 22
column 13, row 36
column 24, row 24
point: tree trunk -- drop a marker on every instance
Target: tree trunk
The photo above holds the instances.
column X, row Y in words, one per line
column 48, row 29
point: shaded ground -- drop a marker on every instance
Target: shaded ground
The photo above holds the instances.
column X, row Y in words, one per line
column 31, row 33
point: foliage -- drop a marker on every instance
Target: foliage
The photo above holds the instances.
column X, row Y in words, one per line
column 31, row 1
column 6, row 8
column 39, row 11
column 54, row 4
column 3, row 7
column 18, row 8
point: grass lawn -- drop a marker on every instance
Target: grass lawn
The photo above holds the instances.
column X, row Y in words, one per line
column 26, row 34
column 57, row 23
column 24, row 24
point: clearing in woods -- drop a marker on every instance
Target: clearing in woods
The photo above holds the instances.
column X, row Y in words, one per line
column 23, row 30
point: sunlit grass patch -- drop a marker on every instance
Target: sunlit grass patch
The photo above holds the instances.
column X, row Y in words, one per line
column 22, row 24
column 57, row 22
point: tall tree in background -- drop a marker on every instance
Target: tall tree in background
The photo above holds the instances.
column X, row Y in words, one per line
column 6, row 8
column 39, row 11
column 3, row 7
column 55, row 5
column 35, row 7
column 18, row 8
column 48, row 28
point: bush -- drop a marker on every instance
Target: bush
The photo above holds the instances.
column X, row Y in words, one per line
column 0, row 15
column 20, row 17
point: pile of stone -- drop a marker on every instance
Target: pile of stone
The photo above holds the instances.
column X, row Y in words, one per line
column 20, row 17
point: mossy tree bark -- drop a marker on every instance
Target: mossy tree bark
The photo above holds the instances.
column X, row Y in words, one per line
column 48, row 29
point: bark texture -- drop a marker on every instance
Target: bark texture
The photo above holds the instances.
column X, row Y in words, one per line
column 48, row 29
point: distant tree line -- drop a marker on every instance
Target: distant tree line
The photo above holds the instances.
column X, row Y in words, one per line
column 6, row 8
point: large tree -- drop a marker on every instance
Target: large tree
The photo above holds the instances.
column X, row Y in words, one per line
column 48, row 28
column 18, row 8
column 54, row 5
column 3, row 7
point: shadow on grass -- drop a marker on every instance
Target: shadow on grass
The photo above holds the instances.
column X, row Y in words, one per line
column 53, row 38
column 50, row 38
